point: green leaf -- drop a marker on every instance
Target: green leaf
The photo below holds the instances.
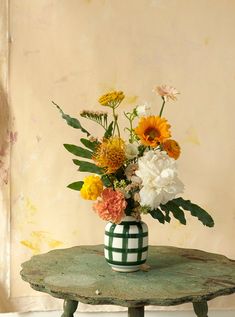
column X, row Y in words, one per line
column 178, row 213
column 76, row 185
column 167, row 216
column 73, row 122
column 195, row 211
column 91, row 145
column 106, row 181
column 109, row 131
column 88, row 167
column 78, row 151
column 157, row 214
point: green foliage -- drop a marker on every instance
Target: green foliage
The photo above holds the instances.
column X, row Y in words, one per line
column 167, row 216
column 195, row 211
column 177, row 207
column 88, row 167
column 91, row 145
column 178, row 213
column 76, row 185
column 141, row 149
column 106, row 180
column 109, row 131
column 157, row 214
column 73, row 122
column 98, row 117
column 78, row 151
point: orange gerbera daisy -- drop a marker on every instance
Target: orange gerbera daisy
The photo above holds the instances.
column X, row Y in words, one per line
column 153, row 130
column 172, row 148
column 110, row 154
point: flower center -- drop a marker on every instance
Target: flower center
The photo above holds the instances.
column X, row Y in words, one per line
column 152, row 133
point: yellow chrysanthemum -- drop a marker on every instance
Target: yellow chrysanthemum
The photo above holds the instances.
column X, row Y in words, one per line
column 110, row 154
column 111, row 98
column 172, row 148
column 92, row 187
column 153, row 130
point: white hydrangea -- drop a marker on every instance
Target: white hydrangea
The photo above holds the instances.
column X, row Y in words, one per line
column 160, row 182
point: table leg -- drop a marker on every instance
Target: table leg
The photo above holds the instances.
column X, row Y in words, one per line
column 69, row 307
column 200, row 309
column 136, row 311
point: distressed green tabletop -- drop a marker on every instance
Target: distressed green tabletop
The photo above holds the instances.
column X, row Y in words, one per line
column 175, row 276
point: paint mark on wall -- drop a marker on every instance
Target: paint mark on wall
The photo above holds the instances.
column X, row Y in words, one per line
column 206, row 40
column 30, row 52
column 4, row 156
column 40, row 241
column 192, row 137
column 75, row 232
column 38, row 138
column 131, row 99
column 30, row 207
column 13, row 137
column 61, row 80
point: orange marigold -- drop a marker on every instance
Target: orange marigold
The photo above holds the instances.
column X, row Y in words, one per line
column 110, row 154
column 153, row 130
column 172, row 148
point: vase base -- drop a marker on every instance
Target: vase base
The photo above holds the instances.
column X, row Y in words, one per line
column 125, row 269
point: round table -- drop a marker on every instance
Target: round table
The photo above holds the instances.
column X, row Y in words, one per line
column 171, row 276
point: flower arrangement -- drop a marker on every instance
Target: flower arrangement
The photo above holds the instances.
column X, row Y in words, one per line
column 135, row 176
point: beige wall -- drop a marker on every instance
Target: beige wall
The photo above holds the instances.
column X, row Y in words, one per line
column 73, row 51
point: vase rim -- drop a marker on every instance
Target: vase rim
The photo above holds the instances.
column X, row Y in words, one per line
column 129, row 218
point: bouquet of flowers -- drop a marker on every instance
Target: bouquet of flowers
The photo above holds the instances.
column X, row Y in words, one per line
column 136, row 175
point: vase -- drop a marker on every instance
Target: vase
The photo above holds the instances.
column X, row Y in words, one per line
column 126, row 244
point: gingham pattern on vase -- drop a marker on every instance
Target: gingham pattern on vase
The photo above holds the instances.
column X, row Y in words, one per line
column 126, row 244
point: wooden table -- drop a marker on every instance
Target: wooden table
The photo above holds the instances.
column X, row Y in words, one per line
column 175, row 276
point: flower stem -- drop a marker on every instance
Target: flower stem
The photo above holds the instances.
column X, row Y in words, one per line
column 115, row 116
column 130, row 117
column 163, row 104
column 131, row 128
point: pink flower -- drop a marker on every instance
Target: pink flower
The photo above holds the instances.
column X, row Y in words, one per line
column 167, row 92
column 111, row 205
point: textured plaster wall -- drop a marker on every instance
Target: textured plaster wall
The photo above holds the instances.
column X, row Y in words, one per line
column 73, row 51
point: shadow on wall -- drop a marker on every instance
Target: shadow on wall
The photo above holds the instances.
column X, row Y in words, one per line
column 4, row 302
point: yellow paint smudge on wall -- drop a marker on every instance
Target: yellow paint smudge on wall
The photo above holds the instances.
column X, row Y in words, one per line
column 31, row 208
column 75, row 232
column 33, row 246
column 54, row 243
column 192, row 137
column 40, row 240
column 131, row 99
column 207, row 40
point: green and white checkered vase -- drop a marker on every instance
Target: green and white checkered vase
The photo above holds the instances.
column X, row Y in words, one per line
column 126, row 244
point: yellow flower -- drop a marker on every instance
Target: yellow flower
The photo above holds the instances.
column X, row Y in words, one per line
column 172, row 148
column 153, row 130
column 110, row 154
column 112, row 98
column 92, row 187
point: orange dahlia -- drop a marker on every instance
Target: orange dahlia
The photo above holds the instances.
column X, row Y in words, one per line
column 110, row 154
column 172, row 148
column 153, row 130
